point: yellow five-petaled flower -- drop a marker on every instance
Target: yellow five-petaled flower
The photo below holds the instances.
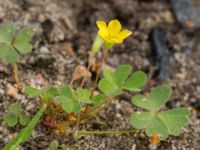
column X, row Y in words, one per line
column 112, row 34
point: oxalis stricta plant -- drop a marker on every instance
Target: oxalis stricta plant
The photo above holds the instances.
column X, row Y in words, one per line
column 13, row 44
column 64, row 108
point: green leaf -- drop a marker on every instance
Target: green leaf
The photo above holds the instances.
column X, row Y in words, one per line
column 174, row 119
column 53, row 145
column 10, row 119
column 135, row 82
column 66, row 92
column 23, row 119
column 158, row 97
column 83, row 95
column 122, row 72
column 7, row 33
column 32, row 91
column 60, row 99
column 26, row 132
column 15, row 108
column 71, row 106
column 8, row 53
column 141, row 120
column 63, row 147
column 162, row 123
column 98, row 42
column 49, row 93
column 110, row 76
column 22, row 40
column 107, row 87
column 98, row 99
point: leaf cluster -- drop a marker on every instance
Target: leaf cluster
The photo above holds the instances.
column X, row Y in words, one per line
column 13, row 44
column 15, row 115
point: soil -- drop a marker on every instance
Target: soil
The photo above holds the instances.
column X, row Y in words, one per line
column 63, row 34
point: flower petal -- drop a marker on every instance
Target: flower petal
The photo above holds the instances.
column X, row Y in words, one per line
column 114, row 27
column 101, row 25
column 103, row 29
column 124, row 34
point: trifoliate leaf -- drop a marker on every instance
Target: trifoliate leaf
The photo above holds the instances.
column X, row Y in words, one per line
column 7, row 33
column 157, row 97
column 98, row 42
column 135, row 82
column 162, row 123
column 32, row 91
column 23, row 119
column 83, row 95
column 8, row 53
column 53, row 145
column 10, row 119
column 122, row 72
column 15, row 108
column 22, row 41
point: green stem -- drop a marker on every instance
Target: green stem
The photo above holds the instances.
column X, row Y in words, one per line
column 105, row 52
column 107, row 132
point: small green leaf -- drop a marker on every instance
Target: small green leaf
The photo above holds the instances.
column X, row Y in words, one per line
column 49, row 93
column 83, row 95
column 60, row 99
column 158, row 97
column 122, row 72
column 98, row 99
column 53, row 145
column 15, row 108
column 141, row 120
column 23, row 119
column 32, row 91
column 66, row 92
column 107, row 87
column 22, row 40
column 110, row 76
column 174, row 119
column 63, row 147
column 71, row 106
column 8, row 53
column 7, row 33
column 26, row 132
column 10, row 119
column 135, row 82
column 98, row 42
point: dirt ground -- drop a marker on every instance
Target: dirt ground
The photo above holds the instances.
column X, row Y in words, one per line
column 61, row 25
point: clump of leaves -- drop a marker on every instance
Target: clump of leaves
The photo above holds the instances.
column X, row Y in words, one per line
column 122, row 79
column 71, row 100
column 54, row 145
column 13, row 44
column 15, row 115
column 26, row 132
column 154, row 121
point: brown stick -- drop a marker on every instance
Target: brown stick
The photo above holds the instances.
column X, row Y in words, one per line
column 15, row 74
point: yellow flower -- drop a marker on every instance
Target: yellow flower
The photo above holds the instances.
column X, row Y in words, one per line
column 112, row 34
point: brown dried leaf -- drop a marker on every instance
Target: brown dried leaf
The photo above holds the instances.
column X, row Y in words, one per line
column 80, row 72
column 12, row 91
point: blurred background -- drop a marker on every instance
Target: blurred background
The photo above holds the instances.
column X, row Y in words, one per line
column 165, row 45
